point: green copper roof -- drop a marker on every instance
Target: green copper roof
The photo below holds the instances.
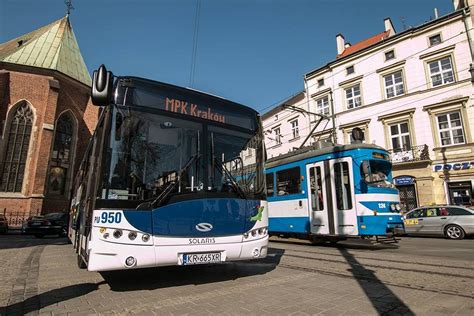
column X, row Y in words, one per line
column 53, row 46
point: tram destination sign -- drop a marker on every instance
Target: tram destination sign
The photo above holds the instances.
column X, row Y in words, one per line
column 465, row 165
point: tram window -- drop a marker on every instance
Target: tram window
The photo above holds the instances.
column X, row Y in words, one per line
column 343, row 186
column 316, row 189
column 288, row 181
column 270, row 186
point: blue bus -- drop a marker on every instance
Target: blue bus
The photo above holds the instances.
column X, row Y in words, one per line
column 332, row 192
column 157, row 185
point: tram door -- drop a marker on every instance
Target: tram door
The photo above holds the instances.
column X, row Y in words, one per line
column 343, row 201
column 318, row 198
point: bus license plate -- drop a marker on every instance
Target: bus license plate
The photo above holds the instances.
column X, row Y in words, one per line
column 201, row 258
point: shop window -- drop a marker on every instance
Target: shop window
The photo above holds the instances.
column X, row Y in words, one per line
column 288, row 181
column 343, row 186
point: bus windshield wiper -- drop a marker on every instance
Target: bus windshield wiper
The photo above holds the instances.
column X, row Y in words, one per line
column 160, row 198
column 223, row 170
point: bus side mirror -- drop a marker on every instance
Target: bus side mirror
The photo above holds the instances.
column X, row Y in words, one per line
column 102, row 85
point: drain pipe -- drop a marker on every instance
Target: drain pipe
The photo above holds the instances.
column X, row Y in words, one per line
column 471, row 68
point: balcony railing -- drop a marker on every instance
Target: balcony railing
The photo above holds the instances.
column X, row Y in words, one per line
column 415, row 153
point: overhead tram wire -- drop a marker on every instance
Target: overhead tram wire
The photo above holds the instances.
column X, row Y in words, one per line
column 392, row 108
column 369, row 73
column 365, row 75
column 195, row 43
column 384, row 111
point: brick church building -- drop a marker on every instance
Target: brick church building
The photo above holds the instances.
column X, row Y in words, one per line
column 46, row 119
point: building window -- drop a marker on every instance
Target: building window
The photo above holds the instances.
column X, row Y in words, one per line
column 389, row 55
column 277, row 133
column 435, row 39
column 350, row 70
column 294, row 128
column 394, row 84
column 450, row 128
column 353, row 141
column 16, row 148
column 61, row 156
column 400, row 136
column 353, row 98
column 441, row 71
column 320, row 83
column 288, row 181
column 322, row 106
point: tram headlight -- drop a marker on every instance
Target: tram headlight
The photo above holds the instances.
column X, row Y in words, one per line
column 132, row 235
column 145, row 237
column 117, row 233
column 392, row 207
column 398, row 207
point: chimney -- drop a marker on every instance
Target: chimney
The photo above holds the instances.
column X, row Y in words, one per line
column 340, row 43
column 347, row 45
column 458, row 4
column 389, row 26
column 436, row 13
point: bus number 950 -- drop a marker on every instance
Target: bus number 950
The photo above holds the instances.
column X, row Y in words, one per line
column 111, row 217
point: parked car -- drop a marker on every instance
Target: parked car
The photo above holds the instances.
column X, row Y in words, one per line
column 451, row 221
column 49, row 224
column 3, row 224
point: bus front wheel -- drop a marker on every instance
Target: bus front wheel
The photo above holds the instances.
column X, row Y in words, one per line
column 80, row 262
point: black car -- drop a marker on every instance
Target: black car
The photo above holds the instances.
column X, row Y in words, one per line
column 3, row 224
column 49, row 224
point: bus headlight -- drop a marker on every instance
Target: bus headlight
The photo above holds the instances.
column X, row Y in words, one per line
column 145, row 237
column 132, row 235
column 130, row 261
column 254, row 233
column 117, row 233
column 246, row 235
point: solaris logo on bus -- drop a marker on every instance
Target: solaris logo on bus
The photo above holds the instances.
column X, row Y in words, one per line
column 204, row 227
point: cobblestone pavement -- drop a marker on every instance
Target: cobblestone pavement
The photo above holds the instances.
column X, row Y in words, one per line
column 40, row 276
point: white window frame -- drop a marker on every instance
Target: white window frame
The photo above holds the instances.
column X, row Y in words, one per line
column 277, row 132
column 294, row 128
column 322, row 106
column 440, row 71
column 353, row 97
column 450, row 128
column 400, row 135
column 394, row 84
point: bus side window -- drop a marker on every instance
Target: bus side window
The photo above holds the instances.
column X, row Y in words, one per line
column 270, row 186
column 288, row 181
column 343, row 186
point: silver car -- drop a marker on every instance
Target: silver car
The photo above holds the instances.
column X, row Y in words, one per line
column 452, row 221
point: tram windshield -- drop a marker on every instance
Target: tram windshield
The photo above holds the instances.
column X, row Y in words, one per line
column 377, row 173
column 153, row 157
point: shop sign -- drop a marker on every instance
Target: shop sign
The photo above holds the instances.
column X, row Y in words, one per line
column 404, row 180
column 453, row 166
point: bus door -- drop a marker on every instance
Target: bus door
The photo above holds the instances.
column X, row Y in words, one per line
column 320, row 219
column 343, row 201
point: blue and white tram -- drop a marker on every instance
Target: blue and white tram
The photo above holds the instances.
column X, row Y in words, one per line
column 333, row 192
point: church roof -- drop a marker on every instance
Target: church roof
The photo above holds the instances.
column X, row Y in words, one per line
column 53, row 46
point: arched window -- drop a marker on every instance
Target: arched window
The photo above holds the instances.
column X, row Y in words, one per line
column 17, row 140
column 61, row 157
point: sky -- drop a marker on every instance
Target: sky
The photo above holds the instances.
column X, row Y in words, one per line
column 254, row 52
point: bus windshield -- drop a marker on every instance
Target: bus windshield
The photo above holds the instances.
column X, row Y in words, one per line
column 376, row 173
column 156, row 158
